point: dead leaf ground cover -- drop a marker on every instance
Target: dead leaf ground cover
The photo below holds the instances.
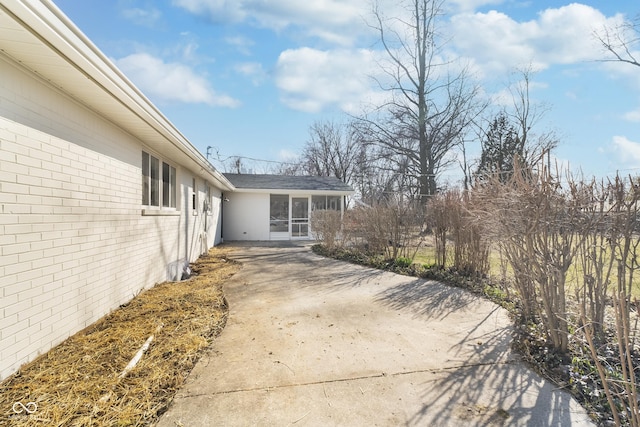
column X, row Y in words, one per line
column 77, row 383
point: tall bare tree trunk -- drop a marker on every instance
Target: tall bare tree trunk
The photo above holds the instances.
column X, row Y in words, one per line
column 429, row 108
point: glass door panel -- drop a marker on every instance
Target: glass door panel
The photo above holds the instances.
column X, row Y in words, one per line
column 279, row 213
column 299, row 217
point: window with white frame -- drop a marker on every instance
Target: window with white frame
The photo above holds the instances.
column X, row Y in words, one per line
column 194, row 196
column 321, row 203
column 158, row 182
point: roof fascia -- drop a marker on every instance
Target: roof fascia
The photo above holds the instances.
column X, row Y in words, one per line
column 293, row 192
column 55, row 30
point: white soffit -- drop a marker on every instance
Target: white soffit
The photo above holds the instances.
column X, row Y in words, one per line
column 37, row 35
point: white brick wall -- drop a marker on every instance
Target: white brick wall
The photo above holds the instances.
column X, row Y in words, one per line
column 73, row 242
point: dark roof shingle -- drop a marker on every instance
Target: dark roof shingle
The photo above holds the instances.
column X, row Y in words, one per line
column 286, row 182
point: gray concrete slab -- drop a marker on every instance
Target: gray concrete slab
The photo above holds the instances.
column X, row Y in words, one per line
column 313, row 341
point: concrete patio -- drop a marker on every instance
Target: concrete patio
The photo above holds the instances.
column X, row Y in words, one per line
column 313, row 341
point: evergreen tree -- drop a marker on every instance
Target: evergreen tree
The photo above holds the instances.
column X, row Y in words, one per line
column 501, row 149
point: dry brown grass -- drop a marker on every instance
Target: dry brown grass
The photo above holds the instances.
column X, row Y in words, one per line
column 77, row 384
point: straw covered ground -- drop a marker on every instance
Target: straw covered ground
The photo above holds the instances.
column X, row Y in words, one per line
column 80, row 382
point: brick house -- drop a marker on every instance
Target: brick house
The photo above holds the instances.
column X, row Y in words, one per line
column 100, row 195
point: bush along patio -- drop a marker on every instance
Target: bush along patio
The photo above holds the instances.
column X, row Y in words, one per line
column 559, row 254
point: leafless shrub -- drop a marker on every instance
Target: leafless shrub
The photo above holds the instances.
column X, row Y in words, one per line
column 627, row 386
column 326, row 226
column 548, row 227
column 534, row 219
column 498, row 207
column 620, row 383
column 389, row 230
column 470, row 247
column 613, row 246
column 450, row 219
column 439, row 220
column 595, row 256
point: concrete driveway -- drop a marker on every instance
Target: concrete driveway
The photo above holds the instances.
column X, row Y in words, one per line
column 313, row 341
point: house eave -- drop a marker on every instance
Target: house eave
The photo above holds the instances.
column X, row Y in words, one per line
column 293, row 191
column 41, row 39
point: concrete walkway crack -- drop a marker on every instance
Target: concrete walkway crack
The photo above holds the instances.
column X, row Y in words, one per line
column 340, row 380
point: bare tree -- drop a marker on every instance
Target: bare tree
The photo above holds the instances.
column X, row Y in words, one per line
column 620, row 41
column 430, row 104
column 386, row 177
column 526, row 116
column 466, row 165
column 334, row 149
column 235, row 165
column 290, row 168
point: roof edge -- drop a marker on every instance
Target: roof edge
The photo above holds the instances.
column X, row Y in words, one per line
column 55, row 30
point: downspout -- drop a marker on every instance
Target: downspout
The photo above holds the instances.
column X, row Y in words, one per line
column 221, row 217
column 342, row 207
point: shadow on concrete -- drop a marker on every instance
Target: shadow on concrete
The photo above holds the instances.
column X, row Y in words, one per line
column 487, row 372
column 480, row 383
column 300, row 266
column 516, row 397
column 426, row 298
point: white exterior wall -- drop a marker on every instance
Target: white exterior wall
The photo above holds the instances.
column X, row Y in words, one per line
column 246, row 217
column 73, row 242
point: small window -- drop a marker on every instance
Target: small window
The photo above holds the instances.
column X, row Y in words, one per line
column 153, row 182
column 333, row 202
column 321, row 203
column 168, row 186
column 194, row 196
column 145, row 179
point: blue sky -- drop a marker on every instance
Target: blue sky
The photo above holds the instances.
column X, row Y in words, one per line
column 248, row 77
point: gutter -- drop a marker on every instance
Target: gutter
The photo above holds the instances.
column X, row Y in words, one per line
column 46, row 22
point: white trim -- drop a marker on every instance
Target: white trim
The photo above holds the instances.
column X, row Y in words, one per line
column 160, row 212
column 294, row 192
column 308, row 223
column 279, row 235
column 93, row 80
column 161, row 182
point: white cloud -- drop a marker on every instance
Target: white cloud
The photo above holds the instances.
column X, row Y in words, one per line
column 185, row 49
column 628, row 151
column 143, row 17
column 220, row 11
column 558, row 36
column 287, row 155
column 625, row 73
column 633, row 116
column 243, row 44
column 336, row 21
column 471, row 5
column 253, row 70
column 312, row 80
column 171, row 82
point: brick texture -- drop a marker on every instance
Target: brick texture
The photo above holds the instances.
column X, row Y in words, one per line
column 74, row 242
